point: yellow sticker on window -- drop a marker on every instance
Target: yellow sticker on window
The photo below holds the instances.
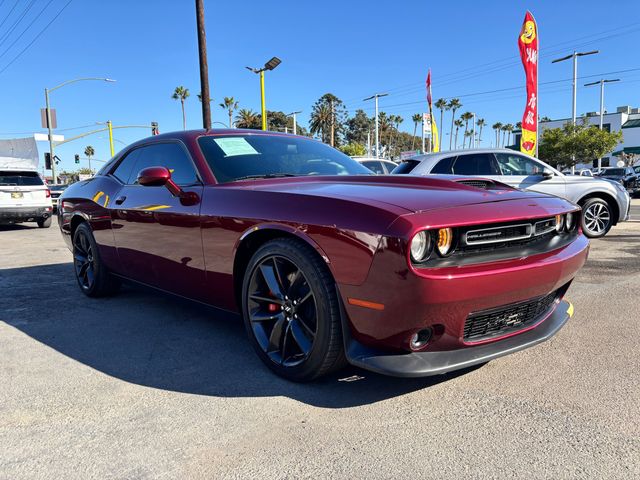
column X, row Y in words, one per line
column 232, row 146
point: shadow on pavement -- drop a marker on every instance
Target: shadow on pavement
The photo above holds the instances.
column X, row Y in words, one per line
column 162, row 342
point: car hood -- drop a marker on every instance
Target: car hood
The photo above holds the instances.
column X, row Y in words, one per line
column 412, row 194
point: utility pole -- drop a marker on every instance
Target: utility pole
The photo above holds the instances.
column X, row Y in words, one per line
column 295, row 127
column 601, row 82
column 204, row 66
column 423, row 139
column 51, row 152
column 332, row 122
column 575, row 56
column 473, row 138
column 376, row 96
column 369, row 142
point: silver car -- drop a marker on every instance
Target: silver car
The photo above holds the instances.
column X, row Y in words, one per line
column 604, row 203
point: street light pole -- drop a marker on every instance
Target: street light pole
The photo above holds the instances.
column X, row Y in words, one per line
column 575, row 56
column 601, row 82
column 295, row 127
column 47, row 91
column 270, row 65
column 376, row 96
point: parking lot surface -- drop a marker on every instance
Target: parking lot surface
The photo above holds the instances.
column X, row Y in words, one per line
column 146, row 386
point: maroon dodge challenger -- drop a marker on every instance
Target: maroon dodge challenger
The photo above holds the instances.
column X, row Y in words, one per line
column 327, row 263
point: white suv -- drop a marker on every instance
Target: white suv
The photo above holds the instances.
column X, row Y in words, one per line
column 24, row 198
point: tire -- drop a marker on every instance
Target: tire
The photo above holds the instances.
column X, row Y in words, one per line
column 91, row 274
column 597, row 218
column 44, row 222
column 291, row 312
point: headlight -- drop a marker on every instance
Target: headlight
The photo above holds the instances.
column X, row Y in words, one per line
column 570, row 221
column 445, row 241
column 420, row 246
column 559, row 223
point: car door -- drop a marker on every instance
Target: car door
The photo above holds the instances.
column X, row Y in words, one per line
column 157, row 236
column 526, row 173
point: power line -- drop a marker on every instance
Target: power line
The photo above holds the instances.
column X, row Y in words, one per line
column 27, row 28
column 36, row 37
column 10, row 12
column 4, row 37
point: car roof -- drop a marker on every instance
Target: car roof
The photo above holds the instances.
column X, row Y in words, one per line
column 465, row 151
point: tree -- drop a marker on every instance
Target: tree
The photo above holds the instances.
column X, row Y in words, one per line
column 466, row 116
column 480, row 123
column 200, row 98
column 468, row 134
column 453, row 105
column 353, row 149
column 496, row 128
column 503, row 129
column 458, row 123
column 416, row 119
column 442, row 105
column 508, row 128
column 545, row 119
column 328, row 117
column 358, row 128
column 247, row 118
column 231, row 106
column 572, row 144
column 89, row 152
column 181, row 93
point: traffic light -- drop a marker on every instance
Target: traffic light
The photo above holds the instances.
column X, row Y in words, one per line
column 77, row 157
column 154, row 128
column 47, row 160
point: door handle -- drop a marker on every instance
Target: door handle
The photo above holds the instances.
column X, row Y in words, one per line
column 120, row 200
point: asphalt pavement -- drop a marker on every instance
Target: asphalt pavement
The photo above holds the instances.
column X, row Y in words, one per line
column 145, row 386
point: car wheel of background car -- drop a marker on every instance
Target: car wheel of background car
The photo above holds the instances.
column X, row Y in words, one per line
column 92, row 276
column 596, row 218
column 291, row 310
column 44, row 223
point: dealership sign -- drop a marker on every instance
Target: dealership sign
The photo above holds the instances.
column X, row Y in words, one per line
column 528, row 45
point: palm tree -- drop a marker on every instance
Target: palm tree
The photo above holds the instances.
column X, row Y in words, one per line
column 508, row 128
column 247, row 119
column 181, row 93
column 442, row 105
column 468, row 134
column 458, row 123
column 519, row 125
column 496, row 128
column 230, row 105
column 503, row 129
column 480, row 123
column 454, row 104
column 320, row 122
column 200, row 98
column 466, row 116
column 89, row 152
column 416, row 119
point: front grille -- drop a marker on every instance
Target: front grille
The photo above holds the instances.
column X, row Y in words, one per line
column 508, row 318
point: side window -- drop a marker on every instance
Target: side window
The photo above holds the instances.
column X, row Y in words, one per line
column 169, row 155
column 375, row 167
column 518, row 165
column 475, row 164
column 444, row 166
column 123, row 170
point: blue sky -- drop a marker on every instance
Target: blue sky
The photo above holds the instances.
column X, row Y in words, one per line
column 350, row 48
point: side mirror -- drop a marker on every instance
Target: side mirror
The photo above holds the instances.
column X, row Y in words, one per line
column 547, row 173
column 161, row 176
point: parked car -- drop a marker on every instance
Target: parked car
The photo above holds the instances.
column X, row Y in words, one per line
column 583, row 172
column 325, row 261
column 56, row 191
column 378, row 166
column 626, row 176
column 604, row 202
column 24, row 198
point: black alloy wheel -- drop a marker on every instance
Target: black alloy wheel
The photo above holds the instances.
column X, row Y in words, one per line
column 92, row 276
column 291, row 312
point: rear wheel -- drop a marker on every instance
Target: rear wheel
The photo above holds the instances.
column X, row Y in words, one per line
column 597, row 218
column 291, row 311
column 91, row 273
column 44, row 222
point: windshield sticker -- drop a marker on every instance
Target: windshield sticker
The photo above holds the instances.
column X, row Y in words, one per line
column 232, row 146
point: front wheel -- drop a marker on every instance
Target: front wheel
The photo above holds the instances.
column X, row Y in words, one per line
column 597, row 218
column 92, row 275
column 291, row 311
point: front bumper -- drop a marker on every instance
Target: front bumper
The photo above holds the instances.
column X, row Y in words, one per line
column 24, row 214
column 421, row 364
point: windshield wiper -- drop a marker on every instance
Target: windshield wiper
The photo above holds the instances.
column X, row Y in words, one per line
column 266, row 175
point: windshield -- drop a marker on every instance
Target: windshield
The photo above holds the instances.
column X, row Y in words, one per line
column 405, row 167
column 613, row 171
column 20, row 178
column 239, row 157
